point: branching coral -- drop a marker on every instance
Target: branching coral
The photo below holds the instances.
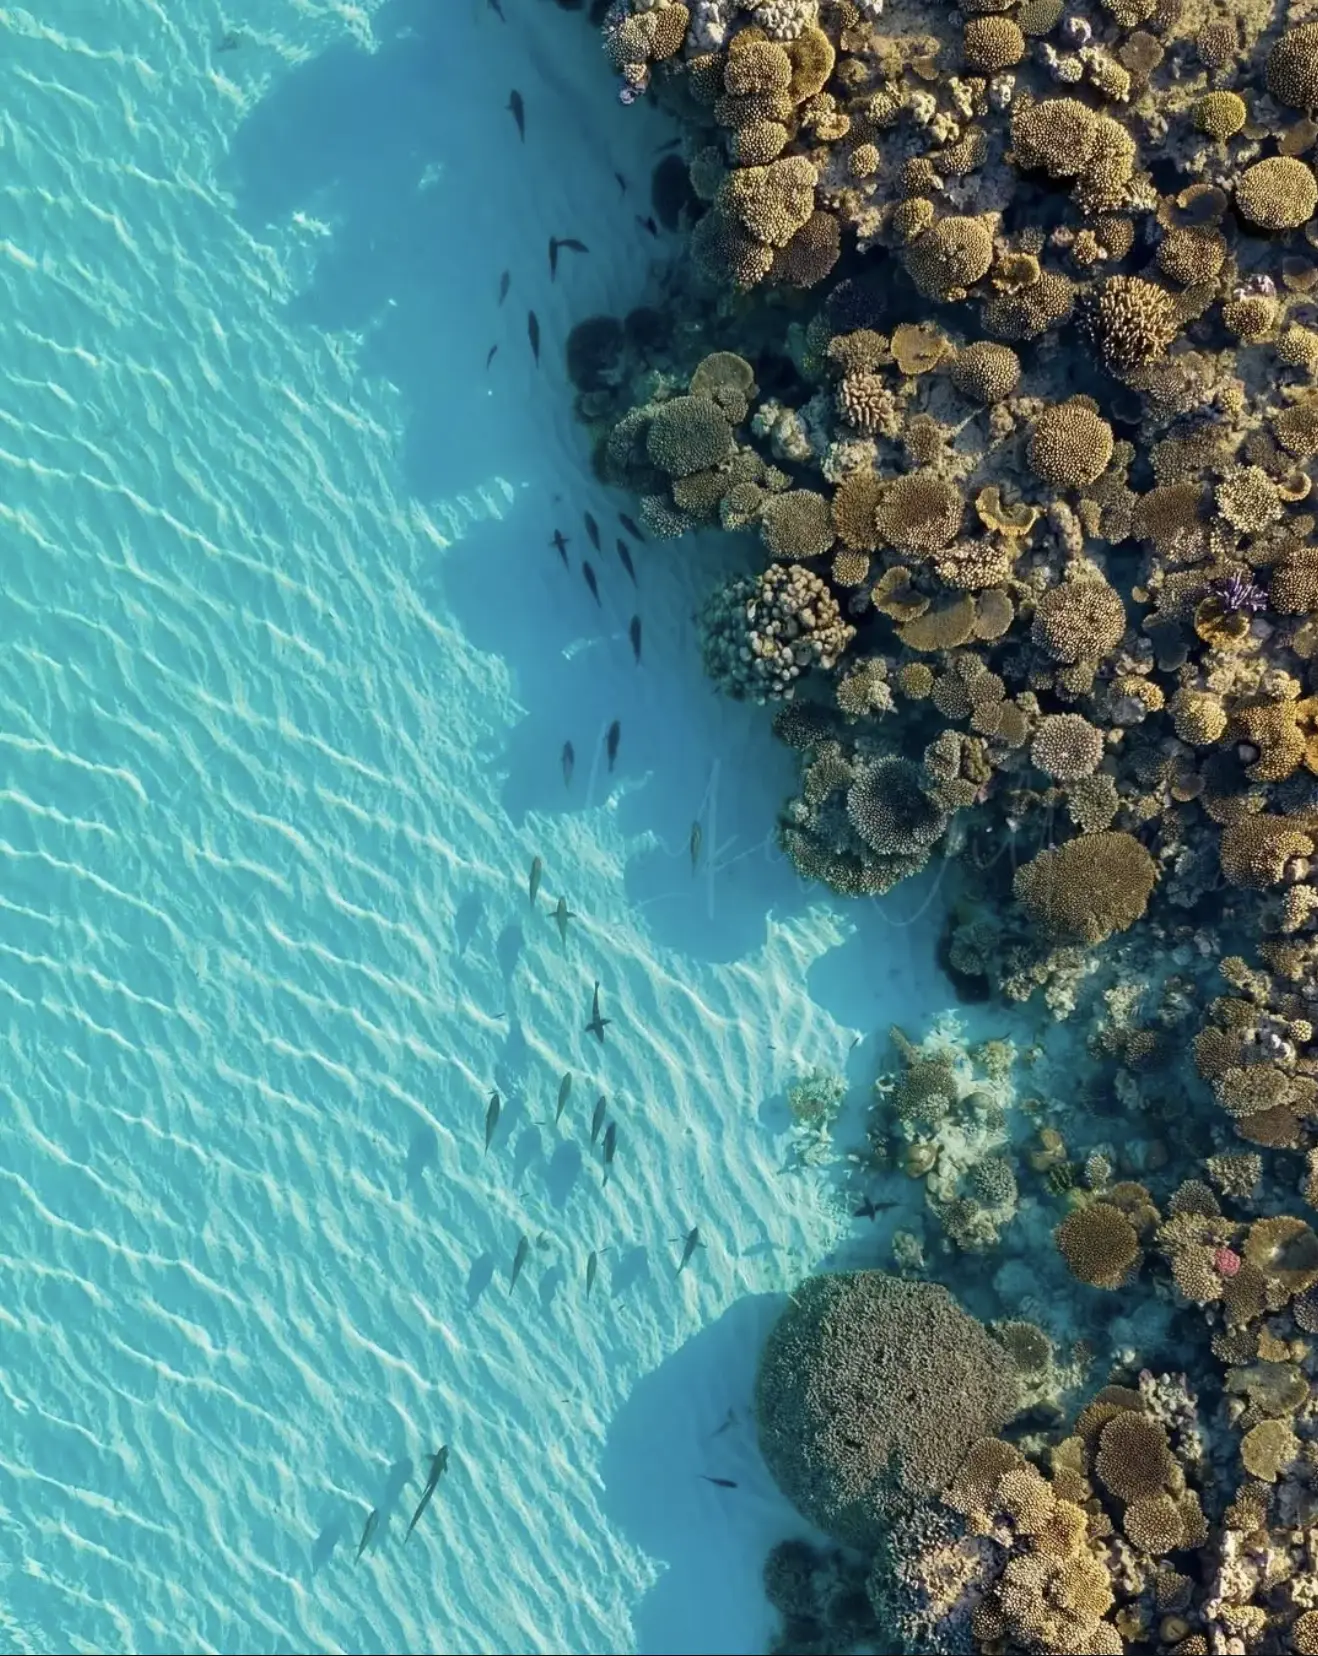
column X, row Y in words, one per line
column 1087, row 889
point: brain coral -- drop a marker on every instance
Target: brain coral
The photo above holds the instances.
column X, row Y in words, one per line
column 1079, row 620
column 1087, row 889
column 1293, row 67
column 1278, row 193
column 1099, row 1244
column 870, row 1387
column 688, row 434
column 1070, row 445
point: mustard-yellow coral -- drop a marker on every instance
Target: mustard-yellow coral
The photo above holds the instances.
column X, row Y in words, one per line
column 1256, row 851
column 920, row 513
column 1278, row 193
column 950, row 256
column 992, row 43
column 1292, row 71
column 1132, row 321
column 1220, row 114
column 1268, row 1449
column 1087, row 889
column 986, row 371
column 688, row 434
column 1153, row 1523
column 1071, row 444
column 1099, row 1244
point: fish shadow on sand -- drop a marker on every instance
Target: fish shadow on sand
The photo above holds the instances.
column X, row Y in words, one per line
column 479, row 1278
column 422, row 1155
column 528, row 1150
column 508, row 949
column 562, row 1172
column 550, row 1285
column 336, row 1527
column 631, row 1271
column 467, row 920
column 712, row 1540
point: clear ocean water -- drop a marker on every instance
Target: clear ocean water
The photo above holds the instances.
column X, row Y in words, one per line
column 288, row 665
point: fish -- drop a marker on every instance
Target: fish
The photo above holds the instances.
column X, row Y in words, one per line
column 689, row 1245
column 634, row 633
column 630, row 526
column 647, row 224
column 592, row 583
column 518, row 112
column 870, row 1209
column 697, row 834
column 559, row 543
column 555, row 243
column 533, row 884
column 492, row 1117
column 569, row 759
column 533, row 334
column 438, row 1463
column 723, row 1483
column 505, row 282
column 593, row 530
column 592, row 1269
column 372, row 1523
column 611, row 741
column 519, row 1259
column 729, row 1420
column 490, row 356
column 622, row 183
column 610, row 1147
column 562, row 914
column 597, row 1025
column 597, row 1120
column 497, row 9
column 626, row 557
column 564, row 1088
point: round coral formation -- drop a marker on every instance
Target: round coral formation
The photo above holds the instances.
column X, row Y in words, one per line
column 796, row 524
column 992, row 43
column 1080, row 620
column 1067, row 747
column 986, row 371
column 920, row 513
column 1292, row 72
column 1099, row 1244
column 688, row 434
column 1087, row 889
column 1070, row 445
column 950, row 256
column 1279, row 193
column 891, row 809
column 1220, row 114
column 1133, row 1459
column 872, row 1389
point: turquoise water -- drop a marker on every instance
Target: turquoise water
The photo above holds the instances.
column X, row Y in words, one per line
column 288, row 665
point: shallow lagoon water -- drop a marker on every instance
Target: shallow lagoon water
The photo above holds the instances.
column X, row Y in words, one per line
column 288, row 665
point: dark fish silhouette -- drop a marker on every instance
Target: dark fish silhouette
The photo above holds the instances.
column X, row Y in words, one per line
column 630, row 526
column 597, row 1025
column 648, row 224
column 592, row 1269
column 626, row 557
column 690, row 1244
column 518, row 112
column 622, row 183
column 533, row 334
column 634, row 633
column 593, row 530
column 591, row 582
column 497, row 9
column 556, row 242
column 562, row 914
column 564, row 1089
column 869, row 1209
column 569, row 762
column 697, row 834
column 610, row 1147
column 723, row 1483
column 505, row 281
column 533, row 884
column 229, row 42
column 611, row 741
column 597, row 1120
column 492, row 1117
column 438, row 1462
column 372, row 1523
column 519, row 1259
column 490, row 355
column 559, row 544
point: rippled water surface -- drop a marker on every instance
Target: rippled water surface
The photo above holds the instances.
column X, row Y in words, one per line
column 287, row 669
